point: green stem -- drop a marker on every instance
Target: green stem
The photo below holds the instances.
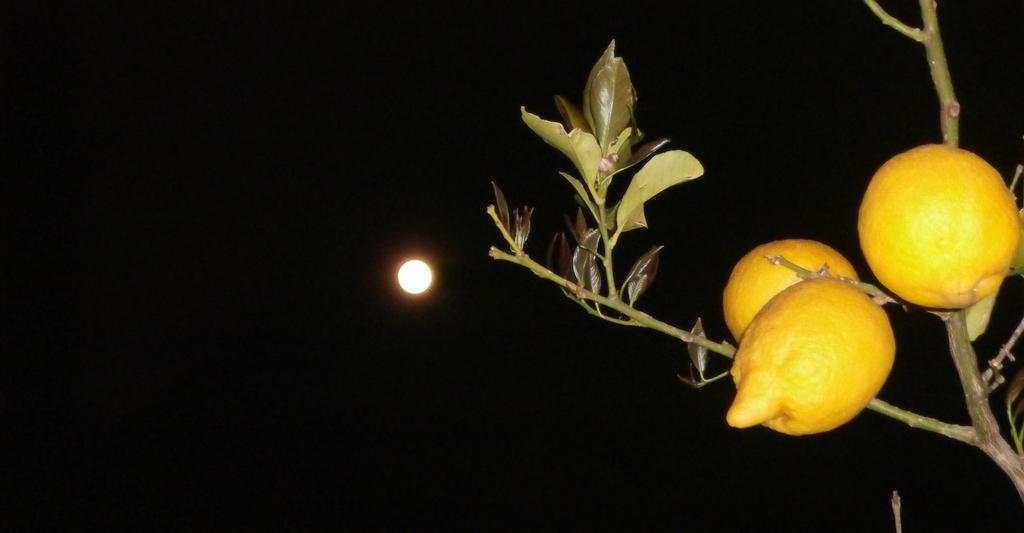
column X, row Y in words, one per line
column 597, row 312
column 1018, row 435
column 914, row 420
column 986, row 429
column 641, row 318
column 493, row 213
column 931, row 38
column 893, row 22
column 609, row 272
column 949, row 107
column 871, row 290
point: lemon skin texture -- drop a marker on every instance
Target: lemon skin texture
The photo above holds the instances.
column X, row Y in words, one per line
column 812, row 359
column 938, row 227
column 755, row 280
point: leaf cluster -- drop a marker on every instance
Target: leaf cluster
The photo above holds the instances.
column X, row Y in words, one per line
column 603, row 143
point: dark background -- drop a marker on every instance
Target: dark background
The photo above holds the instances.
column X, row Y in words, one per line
column 207, row 204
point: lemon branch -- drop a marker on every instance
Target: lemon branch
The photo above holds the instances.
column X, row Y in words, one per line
column 989, row 439
column 976, row 386
column 929, row 36
column 964, row 434
column 637, row 316
column 878, row 295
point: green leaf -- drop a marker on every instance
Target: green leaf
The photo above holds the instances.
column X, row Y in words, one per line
column 609, row 98
column 579, row 146
column 979, row 314
column 661, row 172
column 571, row 114
column 1014, row 388
column 578, row 186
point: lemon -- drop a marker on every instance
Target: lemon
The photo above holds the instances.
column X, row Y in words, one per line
column 938, row 227
column 812, row 359
column 755, row 280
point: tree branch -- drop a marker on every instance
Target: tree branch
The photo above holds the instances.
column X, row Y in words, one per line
column 634, row 314
column 963, row 434
column 996, row 363
column 949, row 107
column 894, row 23
column 639, row 318
column 989, row 439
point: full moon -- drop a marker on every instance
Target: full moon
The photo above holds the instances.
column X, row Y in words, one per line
column 414, row 276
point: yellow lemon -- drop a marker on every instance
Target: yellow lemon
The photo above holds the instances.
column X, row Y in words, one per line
column 812, row 359
column 938, row 227
column 755, row 280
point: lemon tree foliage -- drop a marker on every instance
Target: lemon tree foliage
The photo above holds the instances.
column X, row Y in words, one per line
column 938, row 226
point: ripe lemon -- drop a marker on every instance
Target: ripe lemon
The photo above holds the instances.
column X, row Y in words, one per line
column 938, row 227
column 755, row 280
column 812, row 359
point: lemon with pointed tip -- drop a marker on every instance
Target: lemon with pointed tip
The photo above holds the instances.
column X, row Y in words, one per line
column 755, row 280
column 939, row 227
column 812, row 359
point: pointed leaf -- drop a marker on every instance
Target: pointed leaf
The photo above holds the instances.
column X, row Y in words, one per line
column 581, row 226
column 571, row 114
column 499, row 199
column 609, row 97
column 579, row 146
column 593, row 276
column 641, row 276
column 559, row 258
column 1014, row 389
column 661, row 172
column 564, row 257
column 979, row 314
column 577, row 185
column 584, row 262
column 698, row 353
column 579, row 264
column 522, row 226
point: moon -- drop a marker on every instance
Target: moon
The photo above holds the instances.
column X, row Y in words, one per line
column 414, row 276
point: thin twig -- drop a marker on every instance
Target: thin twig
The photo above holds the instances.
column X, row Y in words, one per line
column 623, row 308
column 914, row 420
column 996, row 363
column 949, row 107
column 929, row 36
column 895, row 23
column 989, row 437
column 963, row 434
column 897, row 515
column 876, row 294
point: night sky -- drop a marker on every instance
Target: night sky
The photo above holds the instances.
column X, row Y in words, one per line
column 208, row 202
